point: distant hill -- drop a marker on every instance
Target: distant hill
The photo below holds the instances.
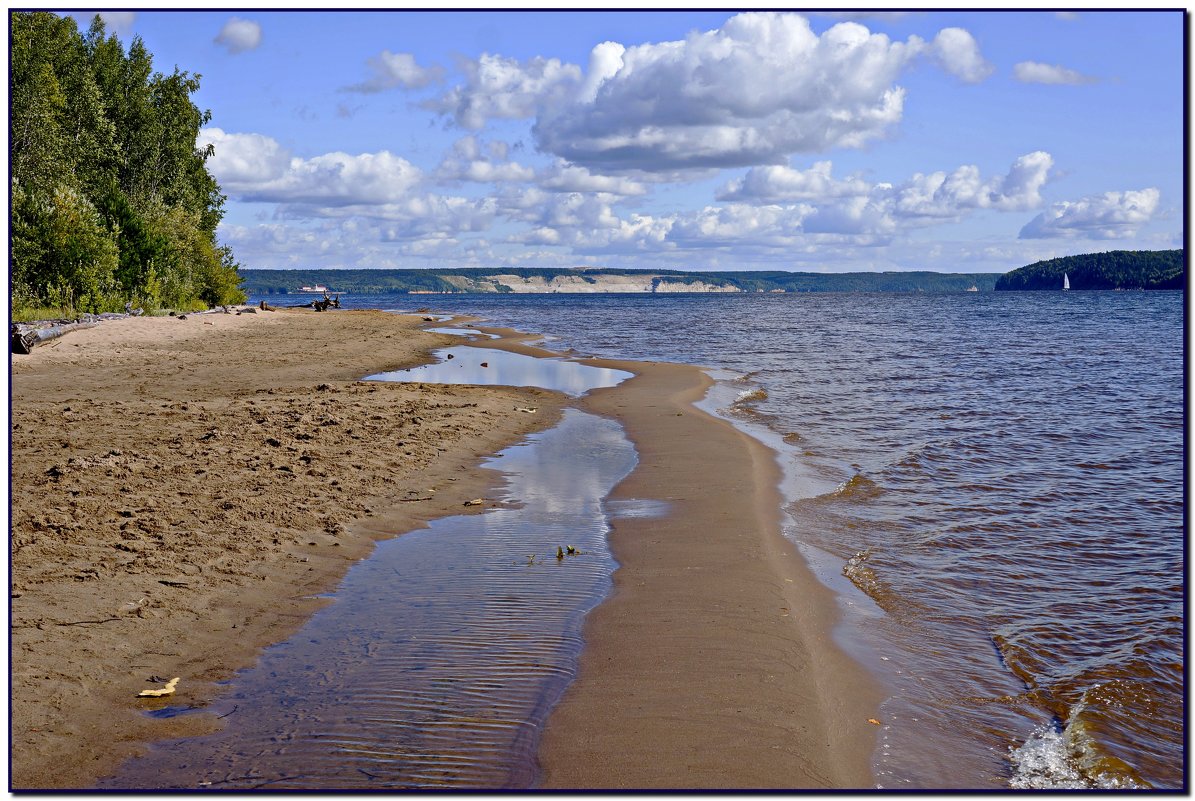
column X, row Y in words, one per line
column 597, row 280
column 1116, row 269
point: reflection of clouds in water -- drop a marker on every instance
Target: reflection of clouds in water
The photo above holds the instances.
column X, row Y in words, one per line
column 507, row 369
column 637, row 508
column 568, row 474
column 462, row 332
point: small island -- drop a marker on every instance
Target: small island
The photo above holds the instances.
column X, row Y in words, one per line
column 1116, row 269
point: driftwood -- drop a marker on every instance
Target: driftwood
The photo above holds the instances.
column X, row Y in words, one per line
column 328, row 302
column 25, row 337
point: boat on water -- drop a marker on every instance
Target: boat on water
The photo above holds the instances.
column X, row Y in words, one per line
column 972, row 288
column 1066, row 282
column 316, row 288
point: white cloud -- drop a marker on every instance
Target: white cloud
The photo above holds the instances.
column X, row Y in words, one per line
column 773, row 184
column 762, row 86
column 1111, row 215
column 468, row 160
column 392, row 70
column 739, row 223
column 958, row 53
column 853, row 206
column 242, row 160
column 239, row 35
column 565, row 177
column 118, row 22
column 502, row 88
column 947, row 196
column 256, row 168
column 1035, row 72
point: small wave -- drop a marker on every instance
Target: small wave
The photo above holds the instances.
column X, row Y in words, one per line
column 751, row 395
column 1068, row 758
column 857, row 487
column 1042, row 764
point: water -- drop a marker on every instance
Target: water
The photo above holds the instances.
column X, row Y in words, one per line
column 1000, row 478
column 466, row 365
column 441, row 654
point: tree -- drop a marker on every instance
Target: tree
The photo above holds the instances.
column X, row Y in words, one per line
column 111, row 197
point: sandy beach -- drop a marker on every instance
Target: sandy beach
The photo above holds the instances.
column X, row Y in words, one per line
column 182, row 488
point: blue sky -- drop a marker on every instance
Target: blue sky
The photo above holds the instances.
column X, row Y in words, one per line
column 967, row 141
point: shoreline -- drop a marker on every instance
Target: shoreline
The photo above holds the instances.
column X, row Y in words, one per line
column 663, row 686
column 674, row 696
column 183, row 491
column 712, row 664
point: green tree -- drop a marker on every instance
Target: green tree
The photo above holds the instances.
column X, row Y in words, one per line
column 111, row 197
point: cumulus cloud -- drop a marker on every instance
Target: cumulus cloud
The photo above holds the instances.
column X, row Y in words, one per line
column 564, row 177
column 736, row 223
column 945, row 195
column 393, row 70
column 852, row 205
column 1111, row 215
column 958, row 53
column 119, row 22
column 257, row 169
column 503, row 88
column 1035, row 72
column 239, row 35
column 773, row 184
column 243, row 159
column 470, row 160
column 761, row 87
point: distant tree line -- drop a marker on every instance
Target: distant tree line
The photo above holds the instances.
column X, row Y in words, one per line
column 1116, row 269
column 111, row 199
column 479, row 279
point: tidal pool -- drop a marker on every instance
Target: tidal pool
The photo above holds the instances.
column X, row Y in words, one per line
column 441, row 654
column 468, row 365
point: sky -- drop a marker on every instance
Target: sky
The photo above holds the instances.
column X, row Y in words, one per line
column 954, row 141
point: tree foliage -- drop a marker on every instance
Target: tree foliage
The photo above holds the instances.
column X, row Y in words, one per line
column 111, row 198
column 1116, row 269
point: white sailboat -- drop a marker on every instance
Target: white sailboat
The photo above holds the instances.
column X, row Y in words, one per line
column 1066, row 282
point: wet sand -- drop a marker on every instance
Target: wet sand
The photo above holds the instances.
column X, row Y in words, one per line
column 182, row 488
column 709, row 666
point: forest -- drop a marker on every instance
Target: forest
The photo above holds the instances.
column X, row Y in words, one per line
column 1115, row 269
column 112, row 203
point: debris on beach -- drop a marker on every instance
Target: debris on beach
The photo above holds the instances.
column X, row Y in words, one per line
column 874, row 722
column 485, row 364
column 167, row 690
column 475, row 502
column 525, row 409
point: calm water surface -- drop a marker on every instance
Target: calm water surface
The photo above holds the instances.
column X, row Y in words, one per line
column 441, row 654
column 1000, row 475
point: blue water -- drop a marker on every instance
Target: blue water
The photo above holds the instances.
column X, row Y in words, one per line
column 1000, row 478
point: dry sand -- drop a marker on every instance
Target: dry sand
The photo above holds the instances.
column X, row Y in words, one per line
column 180, row 490
column 710, row 666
